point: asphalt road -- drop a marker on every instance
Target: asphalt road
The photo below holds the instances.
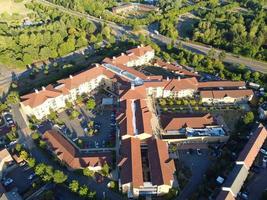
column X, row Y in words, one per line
column 230, row 58
column 255, row 65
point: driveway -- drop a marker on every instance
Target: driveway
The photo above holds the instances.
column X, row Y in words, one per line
column 198, row 165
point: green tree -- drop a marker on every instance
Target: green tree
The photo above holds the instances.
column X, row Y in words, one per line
column 83, row 191
column 31, row 162
column 222, row 55
column 18, row 147
column 105, row 169
column 40, row 169
column 91, row 104
column 35, row 136
column 59, row 177
column 74, row 186
column 3, row 107
column 248, row 118
column 88, row 172
column 12, row 98
column 24, row 155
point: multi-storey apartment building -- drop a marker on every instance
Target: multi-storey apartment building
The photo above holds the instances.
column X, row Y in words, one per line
column 145, row 168
column 192, row 128
column 137, row 119
column 238, row 175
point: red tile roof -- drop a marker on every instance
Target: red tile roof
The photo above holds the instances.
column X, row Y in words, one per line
column 252, row 148
column 75, row 81
column 38, row 97
column 132, row 54
column 223, row 84
column 140, row 50
column 220, row 94
column 175, row 122
column 67, row 153
column 182, row 84
column 138, row 92
column 174, row 68
column 131, row 164
column 161, row 166
column 142, row 118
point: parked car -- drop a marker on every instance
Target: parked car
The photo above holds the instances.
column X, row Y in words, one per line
column 199, row 152
column 262, row 150
column 8, row 181
column 264, row 159
column 31, row 176
column 22, row 163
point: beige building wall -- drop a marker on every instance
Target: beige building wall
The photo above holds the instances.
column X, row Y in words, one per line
column 205, row 139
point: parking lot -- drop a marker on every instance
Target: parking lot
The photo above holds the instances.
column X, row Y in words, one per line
column 198, row 162
column 22, row 177
column 6, row 123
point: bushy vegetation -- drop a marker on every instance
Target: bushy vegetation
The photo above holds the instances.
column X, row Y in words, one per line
column 57, row 35
column 238, row 27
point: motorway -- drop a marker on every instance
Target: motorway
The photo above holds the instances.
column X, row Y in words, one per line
column 254, row 65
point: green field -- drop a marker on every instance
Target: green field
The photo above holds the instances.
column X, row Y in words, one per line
column 11, row 11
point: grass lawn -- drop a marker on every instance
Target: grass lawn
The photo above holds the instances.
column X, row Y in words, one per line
column 11, row 12
column 230, row 117
column 10, row 7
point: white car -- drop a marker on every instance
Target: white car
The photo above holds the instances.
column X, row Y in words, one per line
column 8, row 181
column 31, row 176
column 199, row 152
column 263, row 151
column 264, row 159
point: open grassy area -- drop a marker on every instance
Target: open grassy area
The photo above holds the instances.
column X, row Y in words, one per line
column 231, row 117
column 11, row 11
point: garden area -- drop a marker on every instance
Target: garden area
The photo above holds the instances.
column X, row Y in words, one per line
column 189, row 105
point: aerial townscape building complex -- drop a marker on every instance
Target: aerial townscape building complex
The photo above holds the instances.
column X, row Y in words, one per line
column 144, row 163
column 238, row 175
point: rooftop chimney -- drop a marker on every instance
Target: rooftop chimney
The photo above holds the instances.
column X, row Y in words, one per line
column 43, row 88
column 71, row 77
column 36, row 91
column 168, row 78
column 138, row 46
column 113, row 57
column 97, row 65
column 122, row 54
column 179, row 78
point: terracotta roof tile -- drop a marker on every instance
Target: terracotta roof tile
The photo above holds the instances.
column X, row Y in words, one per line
column 220, row 94
column 131, row 169
column 252, row 148
column 223, row 84
column 38, row 97
column 182, row 84
column 176, row 122
column 67, row 153
column 161, row 166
